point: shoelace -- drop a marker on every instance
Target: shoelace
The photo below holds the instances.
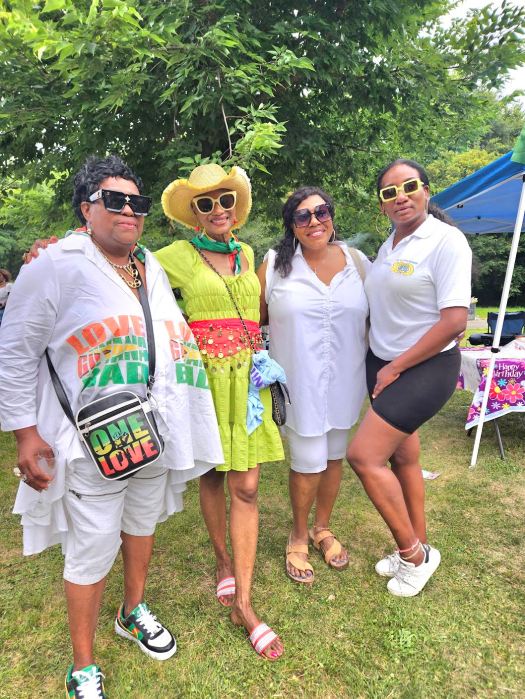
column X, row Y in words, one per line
column 148, row 620
column 403, row 572
column 393, row 560
column 90, row 683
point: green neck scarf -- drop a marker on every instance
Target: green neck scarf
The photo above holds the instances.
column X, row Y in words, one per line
column 232, row 248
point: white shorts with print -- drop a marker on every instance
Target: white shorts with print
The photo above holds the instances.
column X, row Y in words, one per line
column 98, row 510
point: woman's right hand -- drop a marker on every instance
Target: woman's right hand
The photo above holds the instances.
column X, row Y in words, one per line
column 33, row 451
column 39, row 244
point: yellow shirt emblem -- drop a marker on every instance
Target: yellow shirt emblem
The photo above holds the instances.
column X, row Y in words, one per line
column 403, row 267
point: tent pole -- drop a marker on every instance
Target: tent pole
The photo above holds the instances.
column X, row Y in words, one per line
column 499, row 323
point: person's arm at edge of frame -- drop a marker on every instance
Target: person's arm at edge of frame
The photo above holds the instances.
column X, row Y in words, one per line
column 38, row 244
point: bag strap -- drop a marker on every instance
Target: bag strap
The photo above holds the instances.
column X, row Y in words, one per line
column 358, row 262
column 57, row 384
column 152, row 355
column 229, row 293
column 59, row 389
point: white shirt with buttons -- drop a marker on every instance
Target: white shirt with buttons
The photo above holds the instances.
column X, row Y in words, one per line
column 408, row 285
column 317, row 333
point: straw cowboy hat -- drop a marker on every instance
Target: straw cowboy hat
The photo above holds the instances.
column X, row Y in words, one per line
column 177, row 197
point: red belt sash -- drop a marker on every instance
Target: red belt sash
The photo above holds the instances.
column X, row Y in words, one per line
column 225, row 336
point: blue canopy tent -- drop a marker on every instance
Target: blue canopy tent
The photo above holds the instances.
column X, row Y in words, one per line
column 491, row 200
column 486, row 201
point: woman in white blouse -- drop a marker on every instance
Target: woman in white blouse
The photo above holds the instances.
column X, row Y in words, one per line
column 80, row 302
column 314, row 300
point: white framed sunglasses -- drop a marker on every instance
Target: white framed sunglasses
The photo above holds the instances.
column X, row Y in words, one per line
column 409, row 187
column 205, row 204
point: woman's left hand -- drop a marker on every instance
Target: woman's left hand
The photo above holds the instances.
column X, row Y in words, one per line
column 385, row 376
column 35, row 458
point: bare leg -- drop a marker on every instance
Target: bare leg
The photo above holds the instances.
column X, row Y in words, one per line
column 83, row 607
column 244, row 529
column 326, row 496
column 136, row 554
column 406, row 466
column 213, row 507
column 368, row 453
column 303, row 489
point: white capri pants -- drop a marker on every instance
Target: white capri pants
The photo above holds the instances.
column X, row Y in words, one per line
column 98, row 510
column 310, row 454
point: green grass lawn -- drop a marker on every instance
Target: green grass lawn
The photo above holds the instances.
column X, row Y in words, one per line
column 345, row 637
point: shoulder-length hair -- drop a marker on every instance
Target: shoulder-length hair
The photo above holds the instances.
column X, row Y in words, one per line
column 285, row 248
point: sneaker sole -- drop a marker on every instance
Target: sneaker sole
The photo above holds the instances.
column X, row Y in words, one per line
column 151, row 653
column 414, row 593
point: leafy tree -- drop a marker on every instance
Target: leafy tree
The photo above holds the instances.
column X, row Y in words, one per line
column 492, row 253
column 320, row 92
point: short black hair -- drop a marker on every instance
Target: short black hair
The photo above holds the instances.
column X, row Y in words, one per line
column 93, row 172
column 285, row 249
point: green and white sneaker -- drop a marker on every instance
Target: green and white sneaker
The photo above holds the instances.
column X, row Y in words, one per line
column 85, row 683
column 143, row 627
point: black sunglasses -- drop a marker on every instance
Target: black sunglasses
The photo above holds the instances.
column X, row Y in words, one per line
column 302, row 217
column 116, row 201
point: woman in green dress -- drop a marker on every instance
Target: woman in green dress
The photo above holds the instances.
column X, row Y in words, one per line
column 211, row 270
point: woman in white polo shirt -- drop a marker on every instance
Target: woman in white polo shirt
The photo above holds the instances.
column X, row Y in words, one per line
column 419, row 292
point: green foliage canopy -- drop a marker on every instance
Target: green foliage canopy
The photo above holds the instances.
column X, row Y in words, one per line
column 317, row 92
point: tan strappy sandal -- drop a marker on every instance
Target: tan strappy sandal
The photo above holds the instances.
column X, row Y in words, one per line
column 333, row 550
column 294, row 560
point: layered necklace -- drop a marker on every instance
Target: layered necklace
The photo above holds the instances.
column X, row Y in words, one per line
column 133, row 279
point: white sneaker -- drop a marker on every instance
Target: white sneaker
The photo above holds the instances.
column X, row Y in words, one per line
column 388, row 565
column 409, row 579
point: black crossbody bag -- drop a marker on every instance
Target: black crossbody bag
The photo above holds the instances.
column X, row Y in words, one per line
column 118, row 431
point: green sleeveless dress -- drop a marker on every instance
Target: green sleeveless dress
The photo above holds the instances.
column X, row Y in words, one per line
column 206, row 299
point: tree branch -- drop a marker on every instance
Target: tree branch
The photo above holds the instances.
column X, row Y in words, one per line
column 230, row 150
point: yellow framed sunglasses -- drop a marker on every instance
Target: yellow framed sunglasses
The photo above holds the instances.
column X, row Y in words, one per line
column 409, row 187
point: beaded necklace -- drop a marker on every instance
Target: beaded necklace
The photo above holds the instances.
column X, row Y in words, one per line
column 130, row 268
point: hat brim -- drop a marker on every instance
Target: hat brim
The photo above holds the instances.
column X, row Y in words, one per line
column 178, row 195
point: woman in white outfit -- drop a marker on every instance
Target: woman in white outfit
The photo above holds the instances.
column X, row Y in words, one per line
column 80, row 300
column 313, row 298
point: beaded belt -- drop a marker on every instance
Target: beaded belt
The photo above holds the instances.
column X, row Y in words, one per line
column 225, row 336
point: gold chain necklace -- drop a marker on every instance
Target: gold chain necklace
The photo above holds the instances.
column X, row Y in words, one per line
column 130, row 268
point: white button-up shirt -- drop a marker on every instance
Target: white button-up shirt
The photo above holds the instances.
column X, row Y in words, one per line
column 318, row 334
column 72, row 302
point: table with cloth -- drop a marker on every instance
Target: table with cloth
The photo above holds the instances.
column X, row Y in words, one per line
column 507, row 389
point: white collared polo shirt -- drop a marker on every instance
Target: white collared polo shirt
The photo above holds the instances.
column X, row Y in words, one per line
column 408, row 286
